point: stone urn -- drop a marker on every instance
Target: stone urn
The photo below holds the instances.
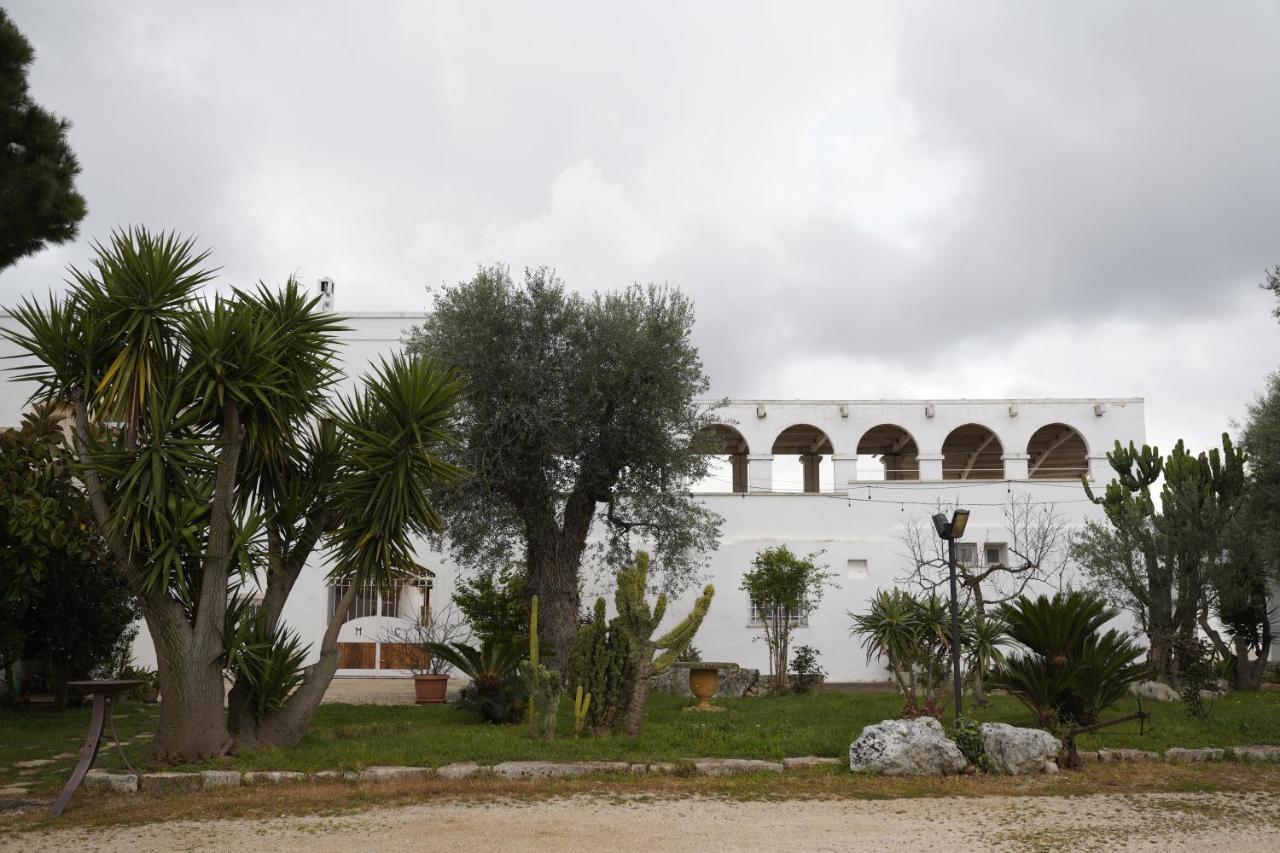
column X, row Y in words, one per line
column 704, row 681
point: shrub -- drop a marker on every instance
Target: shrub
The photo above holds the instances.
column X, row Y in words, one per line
column 496, row 692
column 1071, row 672
column 967, row 734
column 806, row 669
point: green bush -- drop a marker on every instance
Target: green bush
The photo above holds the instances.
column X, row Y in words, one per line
column 967, row 735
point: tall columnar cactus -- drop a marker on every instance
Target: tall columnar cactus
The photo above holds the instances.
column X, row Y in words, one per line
column 640, row 621
column 602, row 667
column 533, row 666
column 581, row 705
column 543, row 685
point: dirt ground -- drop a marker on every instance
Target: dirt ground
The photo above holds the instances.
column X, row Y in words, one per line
column 1235, row 822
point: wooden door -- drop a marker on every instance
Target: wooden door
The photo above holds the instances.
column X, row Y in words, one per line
column 356, row 656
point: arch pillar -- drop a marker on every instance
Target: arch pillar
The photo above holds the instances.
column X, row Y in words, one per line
column 809, row 464
column 1015, row 466
column 738, row 468
column 845, row 469
column 1100, row 470
column 760, row 472
column 930, row 466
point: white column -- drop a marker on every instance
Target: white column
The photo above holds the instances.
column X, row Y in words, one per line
column 1015, row 466
column 930, row 466
column 760, row 472
column 845, row 470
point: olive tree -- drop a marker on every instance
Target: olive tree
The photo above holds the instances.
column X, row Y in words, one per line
column 579, row 412
column 212, row 458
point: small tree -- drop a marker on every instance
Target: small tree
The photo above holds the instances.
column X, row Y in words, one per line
column 783, row 588
column 38, row 200
column 1037, row 544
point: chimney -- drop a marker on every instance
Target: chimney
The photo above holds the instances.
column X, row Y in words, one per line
column 326, row 294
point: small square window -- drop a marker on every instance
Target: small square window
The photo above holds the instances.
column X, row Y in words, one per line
column 857, row 570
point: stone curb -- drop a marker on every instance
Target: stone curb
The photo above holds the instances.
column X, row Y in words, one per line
column 167, row 782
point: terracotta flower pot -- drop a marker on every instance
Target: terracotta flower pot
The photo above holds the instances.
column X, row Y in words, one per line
column 430, row 689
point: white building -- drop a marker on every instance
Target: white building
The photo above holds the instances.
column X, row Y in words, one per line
column 833, row 476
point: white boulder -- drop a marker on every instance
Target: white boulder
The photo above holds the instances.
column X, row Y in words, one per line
column 906, row 748
column 1157, row 690
column 1017, row 751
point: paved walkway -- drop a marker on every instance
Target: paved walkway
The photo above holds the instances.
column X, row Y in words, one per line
column 1241, row 823
column 379, row 691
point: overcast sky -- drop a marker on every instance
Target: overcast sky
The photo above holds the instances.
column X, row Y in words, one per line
column 955, row 199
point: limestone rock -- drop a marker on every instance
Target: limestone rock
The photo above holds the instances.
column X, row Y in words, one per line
column 103, row 780
column 733, row 766
column 272, row 777
column 461, row 770
column 804, row 762
column 1192, row 756
column 1017, row 751
column 906, row 748
column 1257, row 753
column 1157, row 690
column 663, row 767
column 542, row 769
column 166, row 783
column 387, row 774
column 220, row 778
column 1106, row 756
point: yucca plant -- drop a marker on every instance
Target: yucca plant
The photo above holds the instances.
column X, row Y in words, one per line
column 267, row 659
column 913, row 635
column 210, row 453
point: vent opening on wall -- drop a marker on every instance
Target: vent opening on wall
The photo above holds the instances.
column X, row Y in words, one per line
column 856, row 570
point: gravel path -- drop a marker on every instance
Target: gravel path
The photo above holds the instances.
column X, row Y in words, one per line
column 1238, row 822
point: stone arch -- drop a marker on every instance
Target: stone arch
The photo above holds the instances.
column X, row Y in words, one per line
column 730, row 447
column 809, row 443
column 1057, row 452
column 972, row 452
column 895, row 448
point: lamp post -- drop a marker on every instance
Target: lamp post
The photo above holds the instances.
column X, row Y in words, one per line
column 952, row 529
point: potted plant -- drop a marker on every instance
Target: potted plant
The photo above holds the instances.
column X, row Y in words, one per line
column 430, row 670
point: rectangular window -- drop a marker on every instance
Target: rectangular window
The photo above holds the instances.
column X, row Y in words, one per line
column 856, row 570
column 995, row 554
column 372, row 601
column 966, row 553
column 756, row 619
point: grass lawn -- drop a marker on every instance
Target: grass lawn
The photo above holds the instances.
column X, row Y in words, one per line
column 350, row 737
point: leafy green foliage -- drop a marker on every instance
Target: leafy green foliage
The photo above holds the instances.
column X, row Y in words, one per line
column 38, row 200
column 1071, row 673
column 967, row 734
column 494, row 603
column 63, row 603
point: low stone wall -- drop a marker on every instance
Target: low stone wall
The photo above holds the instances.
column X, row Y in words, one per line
column 167, row 782
column 734, row 683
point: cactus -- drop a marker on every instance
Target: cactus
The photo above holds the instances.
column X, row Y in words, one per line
column 581, row 705
column 533, row 666
column 542, row 684
column 601, row 666
column 640, row 621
